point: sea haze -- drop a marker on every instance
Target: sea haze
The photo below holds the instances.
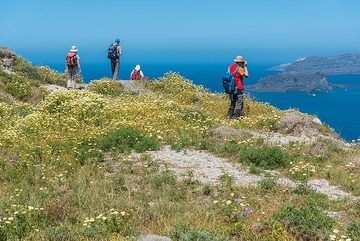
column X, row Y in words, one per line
column 339, row 108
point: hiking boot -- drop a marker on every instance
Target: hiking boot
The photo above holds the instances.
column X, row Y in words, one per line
column 230, row 113
column 238, row 113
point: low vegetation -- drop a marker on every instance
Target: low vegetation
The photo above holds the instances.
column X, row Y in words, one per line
column 68, row 172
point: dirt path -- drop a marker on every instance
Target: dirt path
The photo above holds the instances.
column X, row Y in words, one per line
column 208, row 168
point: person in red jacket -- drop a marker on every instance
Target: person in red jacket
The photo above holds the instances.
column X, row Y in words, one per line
column 237, row 98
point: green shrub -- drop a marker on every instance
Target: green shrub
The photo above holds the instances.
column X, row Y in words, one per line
column 107, row 87
column 305, row 222
column 304, row 189
column 49, row 76
column 18, row 86
column 163, row 179
column 126, row 139
column 23, row 67
column 266, row 157
column 231, row 147
column 267, row 184
column 353, row 230
column 184, row 233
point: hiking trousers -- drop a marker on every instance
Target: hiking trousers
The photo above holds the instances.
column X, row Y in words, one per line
column 115, row 66
column 72, row 73
column 236, row 105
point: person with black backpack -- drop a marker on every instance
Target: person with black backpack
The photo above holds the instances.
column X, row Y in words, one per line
column 234, row 86
column 73, row 67
column 114, row 52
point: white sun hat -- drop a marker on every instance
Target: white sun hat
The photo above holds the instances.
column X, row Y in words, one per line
column 137, row 67
column 73, row 49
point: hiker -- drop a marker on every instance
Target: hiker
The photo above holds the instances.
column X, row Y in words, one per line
column 73, row 67
column 114, row 53
column 137, row 74
column 234, row 86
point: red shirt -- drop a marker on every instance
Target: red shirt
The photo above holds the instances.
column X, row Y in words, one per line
column 238, row 76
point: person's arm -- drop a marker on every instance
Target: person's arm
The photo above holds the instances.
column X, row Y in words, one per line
column 78, row 63
column 119, row 50
column 132, row 72
column 246, row 73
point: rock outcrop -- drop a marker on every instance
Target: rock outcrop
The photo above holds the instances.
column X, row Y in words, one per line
column 7, row 58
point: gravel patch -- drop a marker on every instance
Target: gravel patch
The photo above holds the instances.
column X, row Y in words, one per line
column 208, row 168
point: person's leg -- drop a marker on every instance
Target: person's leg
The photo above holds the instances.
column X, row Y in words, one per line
column 233, row 98
column 239, row 104
column 71, row 76
column 116, row 71
column 112, row 66
column 68, row 76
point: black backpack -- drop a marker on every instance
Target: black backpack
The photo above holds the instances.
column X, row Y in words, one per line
column 112, row 52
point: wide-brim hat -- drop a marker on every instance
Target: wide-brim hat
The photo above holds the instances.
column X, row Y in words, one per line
column 74, row 49
column 239, row 59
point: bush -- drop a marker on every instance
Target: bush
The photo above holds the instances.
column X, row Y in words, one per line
column 266, row 157
column 50, row 76
column 162, row 179
column 267, row 184
column 107, row 87
column 305, row 222
column 125, row 139
column 23, row 67
column 353, row 230
column 183, row 233
column 18, row 86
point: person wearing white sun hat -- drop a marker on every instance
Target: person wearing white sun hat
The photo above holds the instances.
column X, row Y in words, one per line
column 137, row 73
column 73, row 67
column 234, row 78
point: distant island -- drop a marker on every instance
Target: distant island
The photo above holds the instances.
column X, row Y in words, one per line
column 308, row 74
column 330, row 65
column 293, row 82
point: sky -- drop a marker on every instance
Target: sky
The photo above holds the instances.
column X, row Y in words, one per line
column 181, row 30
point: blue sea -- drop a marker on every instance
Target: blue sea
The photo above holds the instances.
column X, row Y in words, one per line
column 339, row 108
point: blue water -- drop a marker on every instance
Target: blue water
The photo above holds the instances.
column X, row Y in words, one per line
column 339, row 108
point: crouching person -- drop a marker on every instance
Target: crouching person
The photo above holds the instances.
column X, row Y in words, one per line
column 73, row 67
column 234, row 86
column 137, row 73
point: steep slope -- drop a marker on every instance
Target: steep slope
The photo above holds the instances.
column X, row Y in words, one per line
column 22, row 81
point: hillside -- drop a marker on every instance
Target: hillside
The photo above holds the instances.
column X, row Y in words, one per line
column 116, row 161
column 330, row 65
column 292, row 82
column 19, row 80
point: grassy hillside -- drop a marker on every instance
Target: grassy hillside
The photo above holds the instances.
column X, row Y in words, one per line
column 20, row 80
column 68, row 172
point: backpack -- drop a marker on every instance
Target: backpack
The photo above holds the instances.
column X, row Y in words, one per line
column 112, row 52
column 136, row 75
column 71, row 59
column 228, row 81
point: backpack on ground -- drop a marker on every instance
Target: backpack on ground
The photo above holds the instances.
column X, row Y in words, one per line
column 112, row 52
column 136, row 75
column 228, row 81
column 71, row 60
